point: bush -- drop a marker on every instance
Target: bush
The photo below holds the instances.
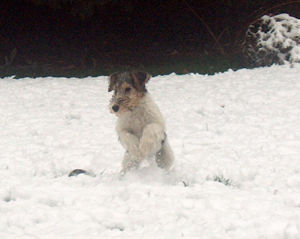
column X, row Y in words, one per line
column 273, row 39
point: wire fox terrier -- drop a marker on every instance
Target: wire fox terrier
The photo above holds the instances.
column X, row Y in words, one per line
column 140, row 125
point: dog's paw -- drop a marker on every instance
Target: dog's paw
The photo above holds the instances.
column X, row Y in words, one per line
column 76, row 172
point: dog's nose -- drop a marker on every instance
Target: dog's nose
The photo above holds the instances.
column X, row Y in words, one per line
column 115, row 108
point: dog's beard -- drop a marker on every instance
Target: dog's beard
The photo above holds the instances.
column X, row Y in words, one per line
column 125, row 104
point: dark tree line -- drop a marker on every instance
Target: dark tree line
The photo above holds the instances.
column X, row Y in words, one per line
column 88, row 34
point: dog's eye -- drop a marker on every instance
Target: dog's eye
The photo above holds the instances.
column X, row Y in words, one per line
column 127, row 90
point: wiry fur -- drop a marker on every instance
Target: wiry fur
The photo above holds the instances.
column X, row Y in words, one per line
column 140, row 125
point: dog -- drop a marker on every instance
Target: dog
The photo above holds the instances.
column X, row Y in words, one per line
column 140, row 125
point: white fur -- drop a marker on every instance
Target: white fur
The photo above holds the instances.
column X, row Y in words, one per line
column 141, row 132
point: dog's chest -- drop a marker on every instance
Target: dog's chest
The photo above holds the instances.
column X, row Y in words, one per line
column 134, row 122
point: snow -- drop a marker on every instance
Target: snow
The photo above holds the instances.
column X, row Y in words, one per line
column 236, row 139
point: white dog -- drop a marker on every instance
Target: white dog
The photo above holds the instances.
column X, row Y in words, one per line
column 140, row 125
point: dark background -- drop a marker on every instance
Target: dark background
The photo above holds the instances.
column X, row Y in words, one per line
column 95, row 37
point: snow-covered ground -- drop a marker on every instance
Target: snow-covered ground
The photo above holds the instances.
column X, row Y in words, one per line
column 236, row 139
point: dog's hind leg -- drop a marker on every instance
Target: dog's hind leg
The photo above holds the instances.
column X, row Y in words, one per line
column 165, row 157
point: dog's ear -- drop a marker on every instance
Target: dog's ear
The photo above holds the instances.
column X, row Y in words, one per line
column 143, row 77
column 112, row 81
column 140, row 79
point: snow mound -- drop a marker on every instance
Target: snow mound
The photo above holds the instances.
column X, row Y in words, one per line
column 273, row 39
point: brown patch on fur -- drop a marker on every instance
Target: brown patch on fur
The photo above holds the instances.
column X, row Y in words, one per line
column 135, row 100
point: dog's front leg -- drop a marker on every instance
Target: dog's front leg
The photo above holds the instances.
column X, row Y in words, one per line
column 132, row 157
column 151, row 140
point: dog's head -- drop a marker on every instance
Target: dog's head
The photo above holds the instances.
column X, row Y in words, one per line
column 129, row 88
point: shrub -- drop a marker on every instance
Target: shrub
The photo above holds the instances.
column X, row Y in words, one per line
column 273, row 39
